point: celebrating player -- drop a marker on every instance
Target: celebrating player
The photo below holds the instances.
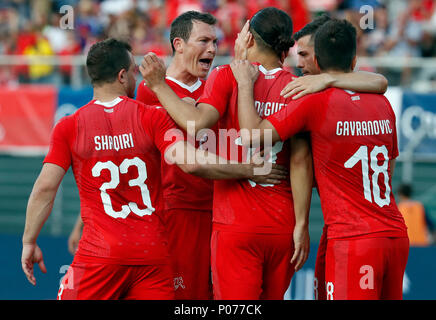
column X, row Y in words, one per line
column 354, row 145
column 188, row 199
column 114, row 145
column 313, row 81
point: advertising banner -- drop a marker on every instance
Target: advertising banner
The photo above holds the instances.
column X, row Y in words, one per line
column 26, row 118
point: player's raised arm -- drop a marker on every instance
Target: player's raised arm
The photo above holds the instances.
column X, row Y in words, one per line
column 246, row 74
column 153, row 71
column 359, row 81
column 38, row 210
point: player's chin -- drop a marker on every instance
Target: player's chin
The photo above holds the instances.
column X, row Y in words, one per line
column 200, row 73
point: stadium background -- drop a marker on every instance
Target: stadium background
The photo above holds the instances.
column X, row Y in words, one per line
column 42, row 78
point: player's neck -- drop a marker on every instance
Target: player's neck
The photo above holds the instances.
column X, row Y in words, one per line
column 267, row 61
column 177, row 71
column 106, row 93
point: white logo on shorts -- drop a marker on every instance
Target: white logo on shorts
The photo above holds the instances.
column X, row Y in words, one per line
column 178, row 283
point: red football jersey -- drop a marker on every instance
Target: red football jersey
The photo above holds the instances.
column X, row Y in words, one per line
column 115, row 152
column 242, row 205
column 353, row 138
column 181, row 190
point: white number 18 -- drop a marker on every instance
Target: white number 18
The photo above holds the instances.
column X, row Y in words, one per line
column 362, row 155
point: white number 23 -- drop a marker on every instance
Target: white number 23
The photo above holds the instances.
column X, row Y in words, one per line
column 115, row 180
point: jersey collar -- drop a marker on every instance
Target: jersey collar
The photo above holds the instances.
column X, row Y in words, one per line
column 109, row 104
column 191, row 89
column 268, row 72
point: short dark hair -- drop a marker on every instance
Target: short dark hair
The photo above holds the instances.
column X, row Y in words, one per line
column 405, row 190
column 311, row 28
column 181, row 27
column 272, row 30
column 105, row 60
column 335, row 45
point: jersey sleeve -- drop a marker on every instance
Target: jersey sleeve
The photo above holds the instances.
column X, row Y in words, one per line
column 161, row 128
column 295, row 117
column 218, row 89
column 59, row 150
column 145, row 95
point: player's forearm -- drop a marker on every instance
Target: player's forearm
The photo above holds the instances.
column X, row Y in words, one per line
column 211, row 166
column 247, row 115
column 301, row 175
column 224, row 171
column 180, row 111
column 359, row 81
column 38, row 210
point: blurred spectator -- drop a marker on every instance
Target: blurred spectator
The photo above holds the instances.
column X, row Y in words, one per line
column 231, row 16
column 419, row 226
column 70, row 48
column 373, row 41
column 39, row 72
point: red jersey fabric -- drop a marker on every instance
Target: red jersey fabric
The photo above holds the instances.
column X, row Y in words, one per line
column 115, row 152
column 242, row 205
column 353, row 138
column 181, row 190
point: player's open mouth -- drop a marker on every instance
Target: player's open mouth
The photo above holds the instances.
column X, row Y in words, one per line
column 205, row 63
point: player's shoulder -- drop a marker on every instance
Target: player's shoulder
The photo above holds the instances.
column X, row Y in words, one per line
column 222, row 69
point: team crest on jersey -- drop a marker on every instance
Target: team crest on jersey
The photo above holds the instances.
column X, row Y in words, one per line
column 178, row 283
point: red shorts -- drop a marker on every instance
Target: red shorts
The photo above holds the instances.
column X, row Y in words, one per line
column 366, row 268
column 319, row 278
column 247, row 266
column 95, row 281
column 189, row 235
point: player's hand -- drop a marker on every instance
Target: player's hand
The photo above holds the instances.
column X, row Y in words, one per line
column 276, row 175
column 242, row 41
column 244, row 72
column 305, row 85
column 153, row 70
column 301, row 245
column 73, row 240
column 31, row 254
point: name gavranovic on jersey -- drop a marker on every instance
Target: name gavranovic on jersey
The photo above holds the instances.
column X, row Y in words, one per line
column 119, row 142
column 363, row 128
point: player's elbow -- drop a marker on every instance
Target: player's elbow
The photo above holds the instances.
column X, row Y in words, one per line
column 382, row 83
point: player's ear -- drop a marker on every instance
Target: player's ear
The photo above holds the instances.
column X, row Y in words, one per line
column 315, row 61
column 178, row 45
column 353, row 63
column 122, row 76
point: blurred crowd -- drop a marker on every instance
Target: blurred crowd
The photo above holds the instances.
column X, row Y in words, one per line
column 38, row 27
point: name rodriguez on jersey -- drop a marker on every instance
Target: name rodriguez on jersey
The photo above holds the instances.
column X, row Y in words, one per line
column 363, row 128
column 119, row 142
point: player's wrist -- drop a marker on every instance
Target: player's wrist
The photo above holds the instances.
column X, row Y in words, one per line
column 329, row 79
column 245, row 85
column 157, row 86
column 303, row 224
column 28, row 241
